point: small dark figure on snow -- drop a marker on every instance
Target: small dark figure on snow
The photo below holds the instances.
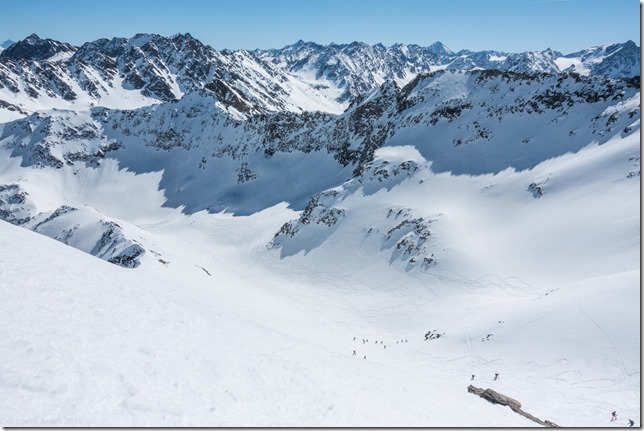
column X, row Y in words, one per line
column 496, row 376
column 472, row 377
column 614, row 416
column 354, row 353
column 631, row 423
column 385, row 347
column 354, row 338
column 365, row 357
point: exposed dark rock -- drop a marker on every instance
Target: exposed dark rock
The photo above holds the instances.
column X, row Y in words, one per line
column 244, row 174
column 34, row 48
column 14, row 206
column 497, row 398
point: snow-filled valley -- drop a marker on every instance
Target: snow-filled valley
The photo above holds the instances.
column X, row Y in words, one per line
column 219, row 260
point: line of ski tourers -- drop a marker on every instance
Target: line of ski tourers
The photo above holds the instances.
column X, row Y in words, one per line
column 496, row 375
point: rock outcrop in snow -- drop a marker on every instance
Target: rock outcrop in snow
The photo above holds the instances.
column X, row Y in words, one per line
column 82, row 228
column 497, row 398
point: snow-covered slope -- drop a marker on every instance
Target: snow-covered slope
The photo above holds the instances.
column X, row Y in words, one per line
column 214, row 328
column 222, row 252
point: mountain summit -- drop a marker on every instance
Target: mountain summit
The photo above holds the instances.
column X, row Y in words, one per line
column 33, row 48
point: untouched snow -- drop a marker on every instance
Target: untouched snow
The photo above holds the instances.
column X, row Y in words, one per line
column 564, row 63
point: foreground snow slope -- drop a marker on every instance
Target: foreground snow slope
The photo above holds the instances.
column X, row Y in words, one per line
column 98, row 345
column 535, row 275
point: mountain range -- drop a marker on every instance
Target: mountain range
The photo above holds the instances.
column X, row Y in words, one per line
column 147, row 69
column 317, row 197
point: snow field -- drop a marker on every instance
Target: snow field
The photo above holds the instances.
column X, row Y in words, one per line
column 140, row 351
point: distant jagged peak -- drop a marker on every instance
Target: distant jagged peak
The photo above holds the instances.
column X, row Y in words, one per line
column 188, row 41
column 440, row 48
column 616, row 45
column 183, row 37
column 140, row 39
column 630, row 44
column 357, row 44
column 551, row 52
column 604, row 49
column 296, row 51
column 111, row 47
column 34, row 48
column 117, row 46
column 7, row 43
column 299, row 45
column 302, row 45
column 32, row 38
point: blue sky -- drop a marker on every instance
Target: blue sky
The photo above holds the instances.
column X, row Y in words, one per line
column 504, row 25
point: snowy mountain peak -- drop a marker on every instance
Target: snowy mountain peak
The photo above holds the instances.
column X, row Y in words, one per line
column 33, row 48
column 183, row 36
column 439, row 48
column 615, row 60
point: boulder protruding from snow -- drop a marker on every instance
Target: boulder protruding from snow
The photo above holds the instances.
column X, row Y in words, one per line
column 498, row 398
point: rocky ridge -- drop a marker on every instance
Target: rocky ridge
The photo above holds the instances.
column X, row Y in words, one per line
column 146, row 69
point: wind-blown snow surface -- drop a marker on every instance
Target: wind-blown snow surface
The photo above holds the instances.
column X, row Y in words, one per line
column 539, row 284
